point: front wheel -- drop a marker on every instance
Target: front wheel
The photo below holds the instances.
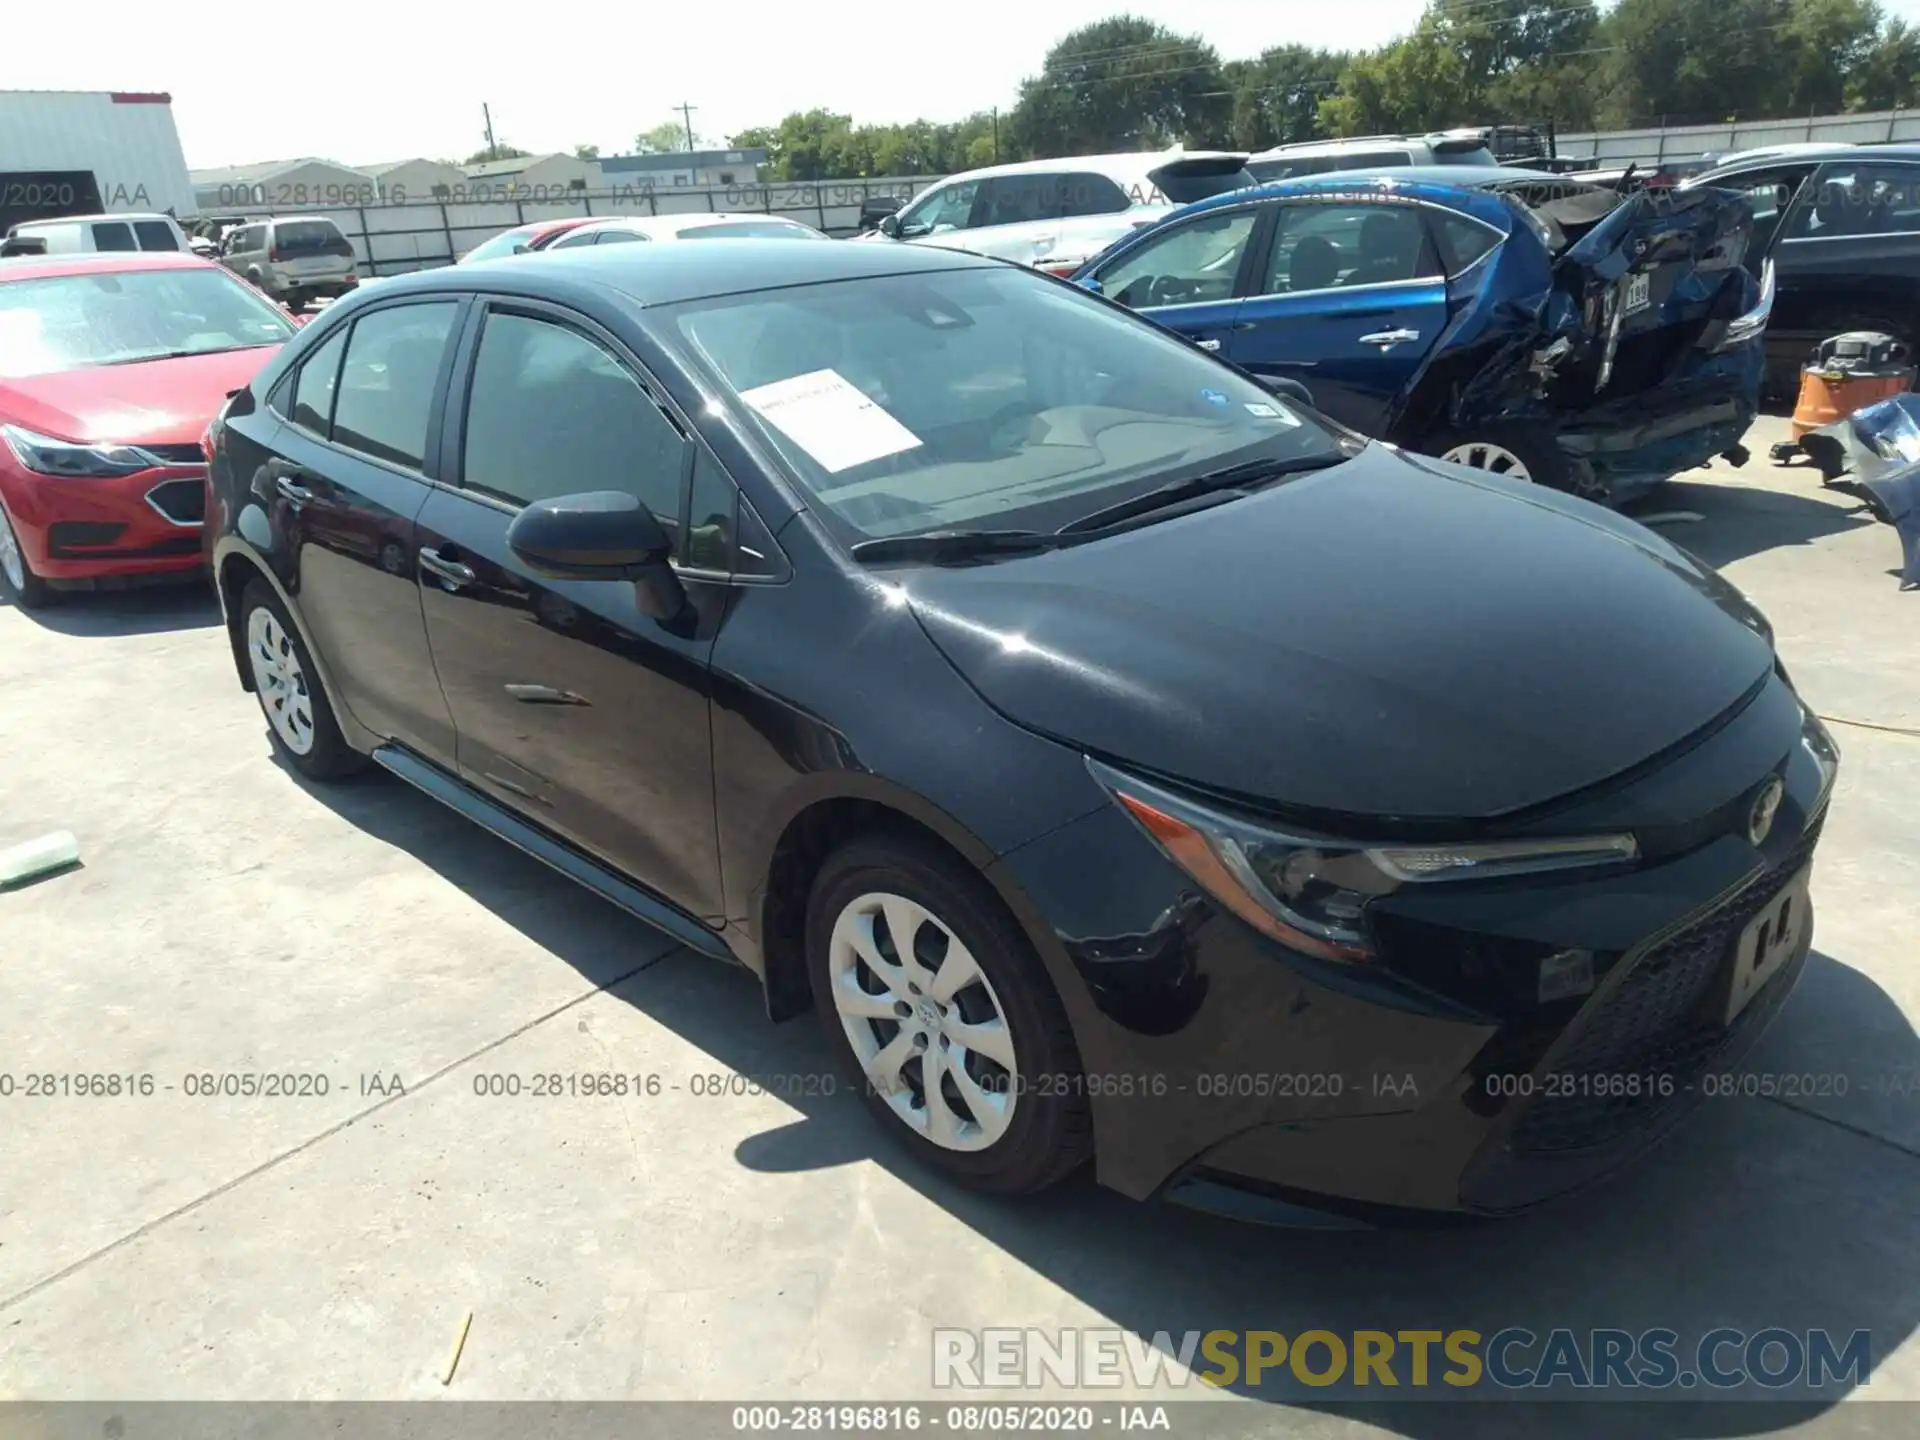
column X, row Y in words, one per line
column 17, row 580
column 944, row 1016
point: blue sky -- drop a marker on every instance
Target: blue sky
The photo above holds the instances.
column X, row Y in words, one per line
column 408, row 78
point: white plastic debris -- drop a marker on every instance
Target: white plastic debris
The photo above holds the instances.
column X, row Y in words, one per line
column 38, row 857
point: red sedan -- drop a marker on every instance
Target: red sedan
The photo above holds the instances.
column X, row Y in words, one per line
column 111, row 367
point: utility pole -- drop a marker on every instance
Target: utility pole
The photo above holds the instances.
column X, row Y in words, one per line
column 487, row 116
column 996, row 134
column 686, row 114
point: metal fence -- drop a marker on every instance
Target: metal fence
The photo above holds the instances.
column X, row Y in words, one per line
column 421, row 234
column 1658, row 144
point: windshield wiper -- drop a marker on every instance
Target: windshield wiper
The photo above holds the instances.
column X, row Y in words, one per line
column 185, row 354
column 1177, row 492
column 937, row 545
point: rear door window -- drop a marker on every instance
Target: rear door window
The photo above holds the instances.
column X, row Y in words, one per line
column 388, row 379
column 1323, row 247
column 576, row 240
column 113, row 235
column 155, row 235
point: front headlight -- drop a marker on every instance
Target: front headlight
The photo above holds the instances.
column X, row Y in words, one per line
column 44, row 455
column 1312, row 892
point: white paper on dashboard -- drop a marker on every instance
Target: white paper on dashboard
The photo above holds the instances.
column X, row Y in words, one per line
column 835, row 422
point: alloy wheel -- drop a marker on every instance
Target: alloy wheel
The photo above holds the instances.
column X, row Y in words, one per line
column 924, row 1021
column 12, row 563
column 1485, row 455
column 280, row 681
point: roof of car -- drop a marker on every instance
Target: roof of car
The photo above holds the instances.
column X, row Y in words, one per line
column 1406, row 183
column 1127, row 168
column 43, row 267
column 667, row 274
column 1747, row 160
column 655, row 225
column 128, row 215
column 1474, row 176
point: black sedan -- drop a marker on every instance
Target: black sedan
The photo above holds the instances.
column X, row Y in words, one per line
column 1127, row 764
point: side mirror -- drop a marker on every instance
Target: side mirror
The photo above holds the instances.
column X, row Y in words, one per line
column 520, row 247
column 1092, row 282
column 607, row 535
column 1287, row 389
column 890, row 226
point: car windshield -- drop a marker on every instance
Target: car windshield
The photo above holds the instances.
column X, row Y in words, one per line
column 750, row 230
column 973, row 398
column 70, row 322
column 500, row 245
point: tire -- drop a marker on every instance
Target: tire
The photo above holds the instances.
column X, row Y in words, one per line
column 1016, row 1136
column 1520, row 452
column 18, row 583
column 295, row 301
column 292, row 697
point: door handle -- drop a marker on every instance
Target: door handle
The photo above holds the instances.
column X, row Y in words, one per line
column 545, row 695
column 1208, row 345
column 293, row 491
column 451, row 572
column 1386, row 338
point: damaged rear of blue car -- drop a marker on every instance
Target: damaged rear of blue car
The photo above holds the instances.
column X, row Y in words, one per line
column 1524, row 324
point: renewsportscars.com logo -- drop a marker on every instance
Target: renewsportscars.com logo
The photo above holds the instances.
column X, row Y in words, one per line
column 1514, row 1358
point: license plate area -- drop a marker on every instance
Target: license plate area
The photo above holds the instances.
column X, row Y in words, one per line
column 1639, row 293
column 1769, row 940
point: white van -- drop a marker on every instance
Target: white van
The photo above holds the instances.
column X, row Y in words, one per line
column 90, row 234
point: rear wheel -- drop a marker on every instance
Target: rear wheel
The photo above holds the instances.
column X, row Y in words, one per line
column 1518, row 452
column 17, row 580
column 287, row 684
column 945, row 1017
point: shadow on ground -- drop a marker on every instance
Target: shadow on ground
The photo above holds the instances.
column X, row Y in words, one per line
column 1738, row 521
column 147, row 610
column 1755, row 1215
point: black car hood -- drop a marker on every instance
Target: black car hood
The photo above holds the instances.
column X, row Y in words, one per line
column 1391, row 638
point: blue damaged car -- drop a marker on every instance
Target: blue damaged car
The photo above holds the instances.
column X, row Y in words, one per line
column 1514, row 321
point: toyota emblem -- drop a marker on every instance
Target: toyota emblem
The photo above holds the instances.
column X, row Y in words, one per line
column 1765, row 806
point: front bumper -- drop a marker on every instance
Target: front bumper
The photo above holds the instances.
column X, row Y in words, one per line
column 1227, row 1071
column 147, row 523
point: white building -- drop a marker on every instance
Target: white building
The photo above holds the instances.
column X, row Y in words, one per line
column 78, row 152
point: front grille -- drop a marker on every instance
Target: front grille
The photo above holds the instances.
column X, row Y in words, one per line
column 177, row 454
column 184, row 502
column 64, row 537
column 1656, row 1023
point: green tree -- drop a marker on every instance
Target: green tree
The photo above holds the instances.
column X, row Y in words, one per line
column 500, row 151
column 1694, row 61
column 662, row 139
column 586, row 152
column 1419, row 82
column 1821, row 43
column 1122, row 84
column 1888, row 75
column 1276, row 97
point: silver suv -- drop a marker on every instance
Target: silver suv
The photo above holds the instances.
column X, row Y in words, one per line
column 293, row 258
